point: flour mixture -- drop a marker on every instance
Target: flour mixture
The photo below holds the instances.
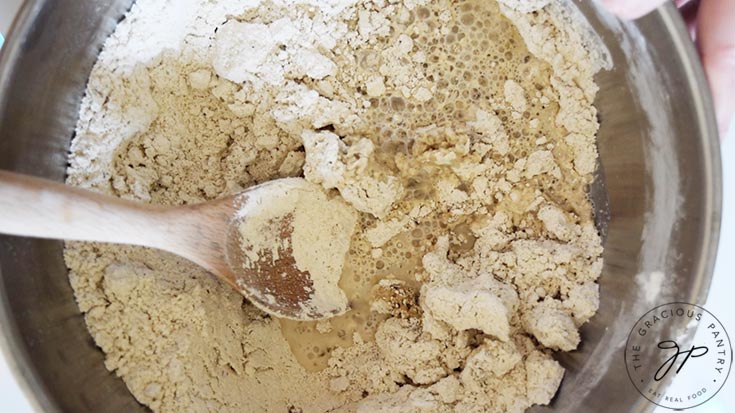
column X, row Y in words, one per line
column 460, row 137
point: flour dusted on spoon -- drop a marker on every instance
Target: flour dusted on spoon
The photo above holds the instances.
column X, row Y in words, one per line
column 290, row 225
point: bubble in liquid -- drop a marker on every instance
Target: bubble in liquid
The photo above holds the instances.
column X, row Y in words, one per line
column 397, row 103
column 467, row 19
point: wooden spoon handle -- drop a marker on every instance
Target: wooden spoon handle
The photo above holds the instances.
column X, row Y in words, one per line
column 40, row 208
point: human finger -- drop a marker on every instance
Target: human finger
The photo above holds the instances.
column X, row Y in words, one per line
column 716, row 37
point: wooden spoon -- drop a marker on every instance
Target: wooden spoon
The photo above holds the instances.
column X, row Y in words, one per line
column 206, row 234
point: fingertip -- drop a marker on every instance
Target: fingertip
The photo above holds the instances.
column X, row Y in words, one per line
column 724, row 128
column 725, row 111
column 717, row 48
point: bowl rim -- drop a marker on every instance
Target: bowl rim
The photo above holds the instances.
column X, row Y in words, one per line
column 704, row 111
column 19, row 361
column 16, row 357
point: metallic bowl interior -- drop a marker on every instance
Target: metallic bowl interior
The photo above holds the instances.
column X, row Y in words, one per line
column 658, row 198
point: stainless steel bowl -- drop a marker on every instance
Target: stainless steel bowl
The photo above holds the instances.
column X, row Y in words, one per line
column 658, row 200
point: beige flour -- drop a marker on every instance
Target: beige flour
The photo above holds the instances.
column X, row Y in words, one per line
column 293, row 217
column 456, row 137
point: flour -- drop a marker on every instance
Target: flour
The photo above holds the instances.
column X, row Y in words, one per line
column 455, row 138
column 469, row 306
column 334, row 165
column 556, row 223
column 266, row 61
column 525, row 6
column 515, row 96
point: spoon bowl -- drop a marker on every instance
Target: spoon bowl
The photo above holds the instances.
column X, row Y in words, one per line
column 222, row 236
column 282, row 257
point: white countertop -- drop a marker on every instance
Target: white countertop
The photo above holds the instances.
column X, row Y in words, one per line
column 719, row 301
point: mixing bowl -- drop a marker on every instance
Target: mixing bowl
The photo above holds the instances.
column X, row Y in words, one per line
column 658, row 200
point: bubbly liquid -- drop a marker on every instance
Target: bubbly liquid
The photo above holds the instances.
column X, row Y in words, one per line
column 400, row 260
column 470, row 63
